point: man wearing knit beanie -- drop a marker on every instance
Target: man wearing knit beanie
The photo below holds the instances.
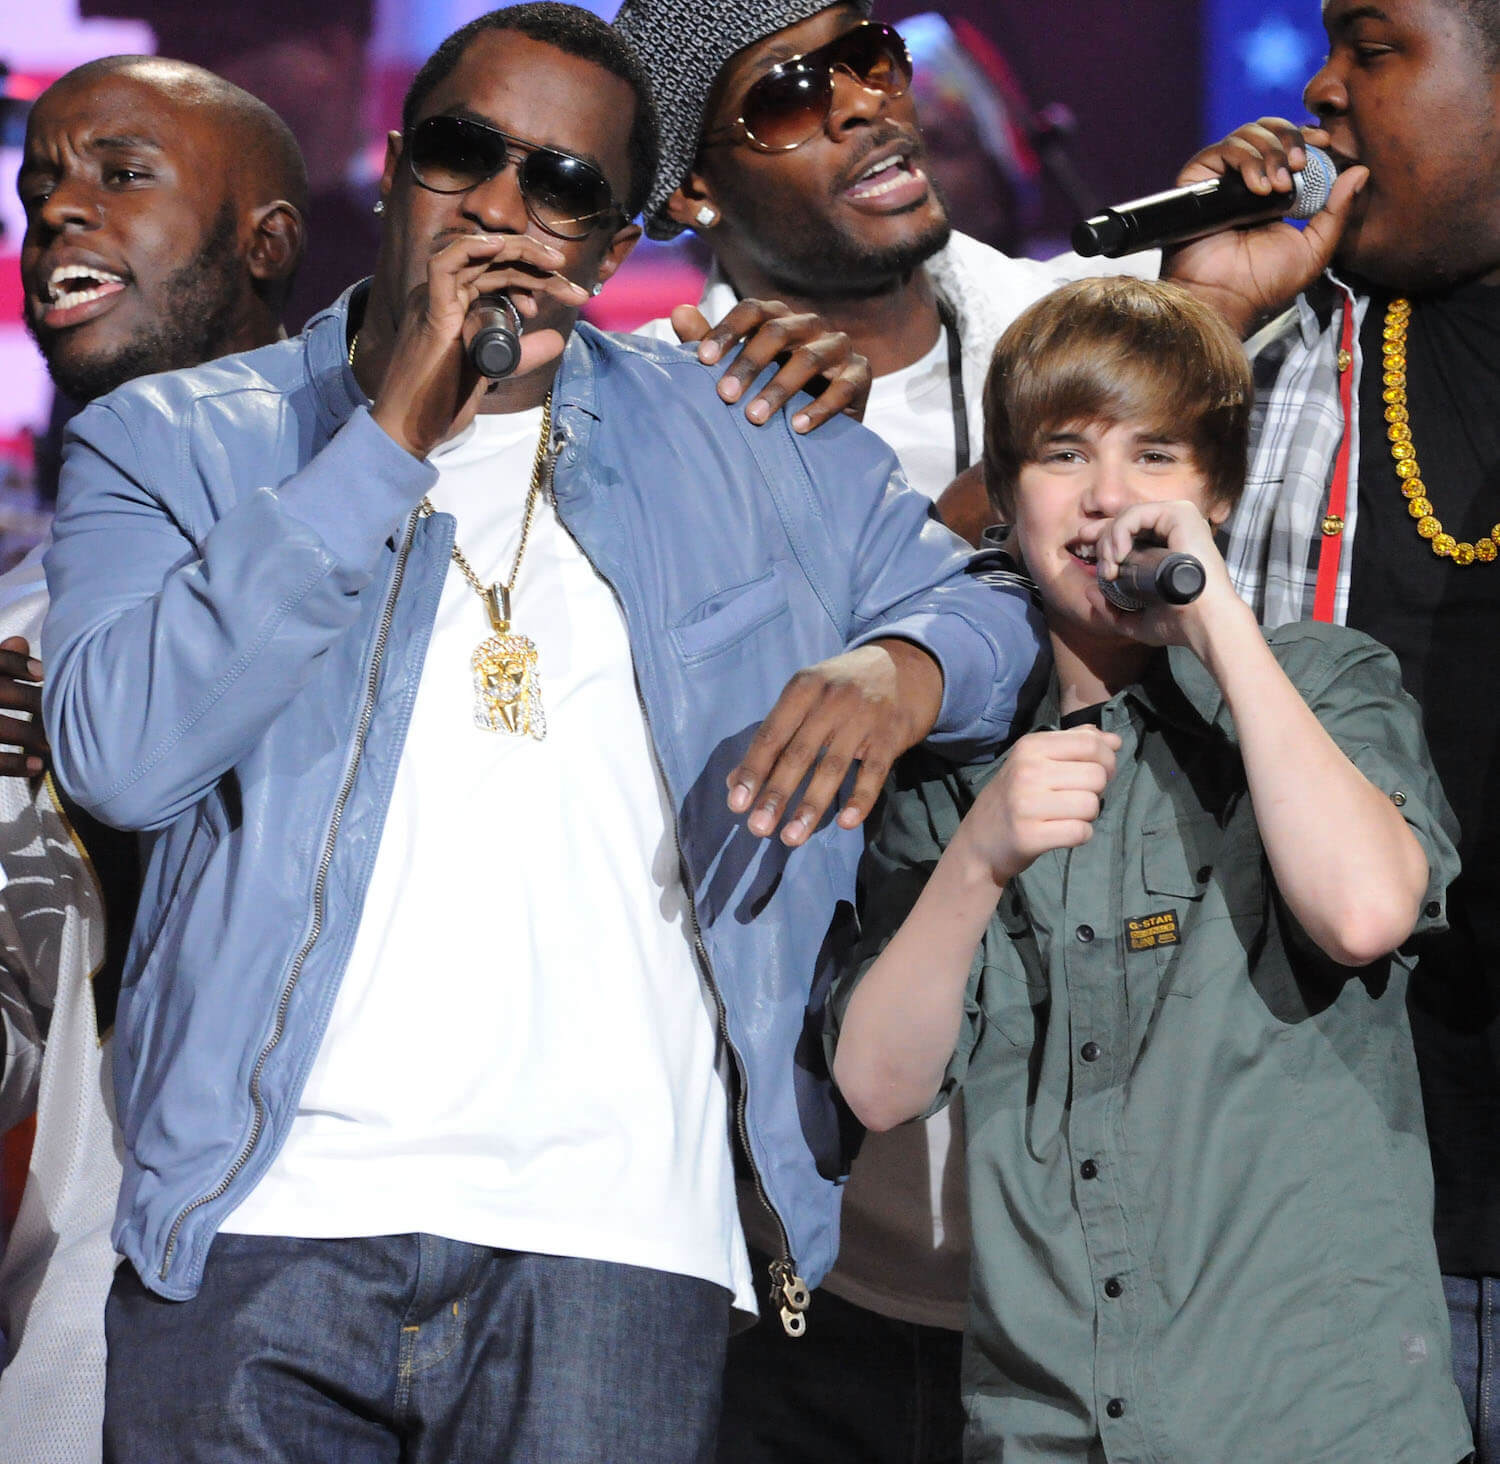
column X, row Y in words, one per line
column 842, row 220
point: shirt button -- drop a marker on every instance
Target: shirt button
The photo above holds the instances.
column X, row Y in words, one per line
column 1399, row 798
column 1112, row 1288
column 1089, row 1052
column 1432, row 909
column 1085, row 933
column 1088, row 1169
column 1115, row 1408
column 1203, row 874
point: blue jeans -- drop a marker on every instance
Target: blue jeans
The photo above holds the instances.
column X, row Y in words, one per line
column 1472, row 1305
column 415, row 1349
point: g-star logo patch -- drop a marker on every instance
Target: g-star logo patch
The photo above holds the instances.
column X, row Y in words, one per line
column 1146, row 932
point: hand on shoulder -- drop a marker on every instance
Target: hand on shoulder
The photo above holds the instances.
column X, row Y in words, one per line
column 812, row 357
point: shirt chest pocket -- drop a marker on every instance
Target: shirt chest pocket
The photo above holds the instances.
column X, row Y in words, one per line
column 1212, row 882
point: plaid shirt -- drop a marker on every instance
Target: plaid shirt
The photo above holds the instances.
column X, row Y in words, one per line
column 1291, row 538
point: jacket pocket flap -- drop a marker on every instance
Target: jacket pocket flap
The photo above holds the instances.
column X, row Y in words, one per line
column 728, row 615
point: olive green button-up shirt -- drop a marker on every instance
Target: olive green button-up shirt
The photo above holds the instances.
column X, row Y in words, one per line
column 1198, row 1177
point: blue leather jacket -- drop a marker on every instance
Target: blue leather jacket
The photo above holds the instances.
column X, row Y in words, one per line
column 242, row 594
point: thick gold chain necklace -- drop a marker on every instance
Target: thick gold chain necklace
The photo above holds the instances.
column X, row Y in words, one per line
column 1398, row 430
column 505, row 665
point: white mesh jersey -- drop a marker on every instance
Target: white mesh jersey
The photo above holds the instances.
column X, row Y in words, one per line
column 58, row 1264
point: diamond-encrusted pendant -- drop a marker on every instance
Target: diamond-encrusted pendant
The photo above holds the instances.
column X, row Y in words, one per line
column 507, row 687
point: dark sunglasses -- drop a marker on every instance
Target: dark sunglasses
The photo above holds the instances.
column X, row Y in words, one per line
column 791, row 102
column 567, row 196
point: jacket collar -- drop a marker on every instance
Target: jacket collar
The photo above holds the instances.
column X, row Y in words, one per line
column 325, row 343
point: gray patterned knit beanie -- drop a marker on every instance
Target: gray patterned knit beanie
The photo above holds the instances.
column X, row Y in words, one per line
column 683, row 44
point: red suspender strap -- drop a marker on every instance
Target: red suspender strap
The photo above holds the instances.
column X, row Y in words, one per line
column 1332, row 546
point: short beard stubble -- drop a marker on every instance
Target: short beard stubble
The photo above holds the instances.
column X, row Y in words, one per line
column 204, row 300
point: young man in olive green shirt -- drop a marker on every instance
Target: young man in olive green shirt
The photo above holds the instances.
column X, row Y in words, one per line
column 1163, row 947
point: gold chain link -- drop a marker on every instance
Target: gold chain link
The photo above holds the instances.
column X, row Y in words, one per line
column 1404, row 453
column 533, row 493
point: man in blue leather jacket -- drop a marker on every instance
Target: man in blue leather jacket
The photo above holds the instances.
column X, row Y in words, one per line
column 464, row 943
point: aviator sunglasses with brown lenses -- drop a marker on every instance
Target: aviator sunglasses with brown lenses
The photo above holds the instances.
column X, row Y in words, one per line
column 790, row 103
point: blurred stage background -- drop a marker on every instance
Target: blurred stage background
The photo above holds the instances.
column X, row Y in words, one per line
column 1123, row 93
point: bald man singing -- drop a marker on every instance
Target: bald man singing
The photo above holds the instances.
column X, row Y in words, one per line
column 164, row 222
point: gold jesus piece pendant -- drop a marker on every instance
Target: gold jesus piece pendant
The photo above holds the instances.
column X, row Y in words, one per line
column 507, row 685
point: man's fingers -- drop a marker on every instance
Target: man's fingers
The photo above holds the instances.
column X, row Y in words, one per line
column 537, row 348
column 17, row 661
column 1067, row 804
column 791, row 768
column 690, row 323
column 771, row 737
column 1265, row 153
column 844, row 394
column 1067, row 833
column 471, row 249
column 744, row 320
column 1087, row 774
column 806, row 368
column 1074, row 748
column 812, row 358
column 1326, row 227
column 21, row 765
column 874, row 768
column 520, row 283
column 17, row 732
column 821, row 790
column 16, row 665
column 770, row 341
column 20, row 696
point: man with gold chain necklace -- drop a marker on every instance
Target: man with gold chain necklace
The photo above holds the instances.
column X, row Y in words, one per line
column 461, row 717
column 1374, row 499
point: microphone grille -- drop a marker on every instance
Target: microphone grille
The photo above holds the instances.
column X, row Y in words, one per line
column 1311, row 187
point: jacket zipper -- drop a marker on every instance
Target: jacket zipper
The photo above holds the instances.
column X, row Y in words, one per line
column 319, row 889
column 789, row 1292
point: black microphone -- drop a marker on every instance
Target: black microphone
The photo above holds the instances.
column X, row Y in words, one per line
column 1152, row 574
column 1197, row 209
column 495, row 348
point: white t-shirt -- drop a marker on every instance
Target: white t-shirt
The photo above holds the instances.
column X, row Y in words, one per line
column 522, row 1053
column 911, row 410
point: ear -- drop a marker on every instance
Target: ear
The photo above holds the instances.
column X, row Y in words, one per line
column 693, row 204
column 392, row 162
column 1217, row 512
column 620, row 245
column 276, row 242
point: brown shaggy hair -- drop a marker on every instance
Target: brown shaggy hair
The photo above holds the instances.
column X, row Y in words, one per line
column 1118, row 350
